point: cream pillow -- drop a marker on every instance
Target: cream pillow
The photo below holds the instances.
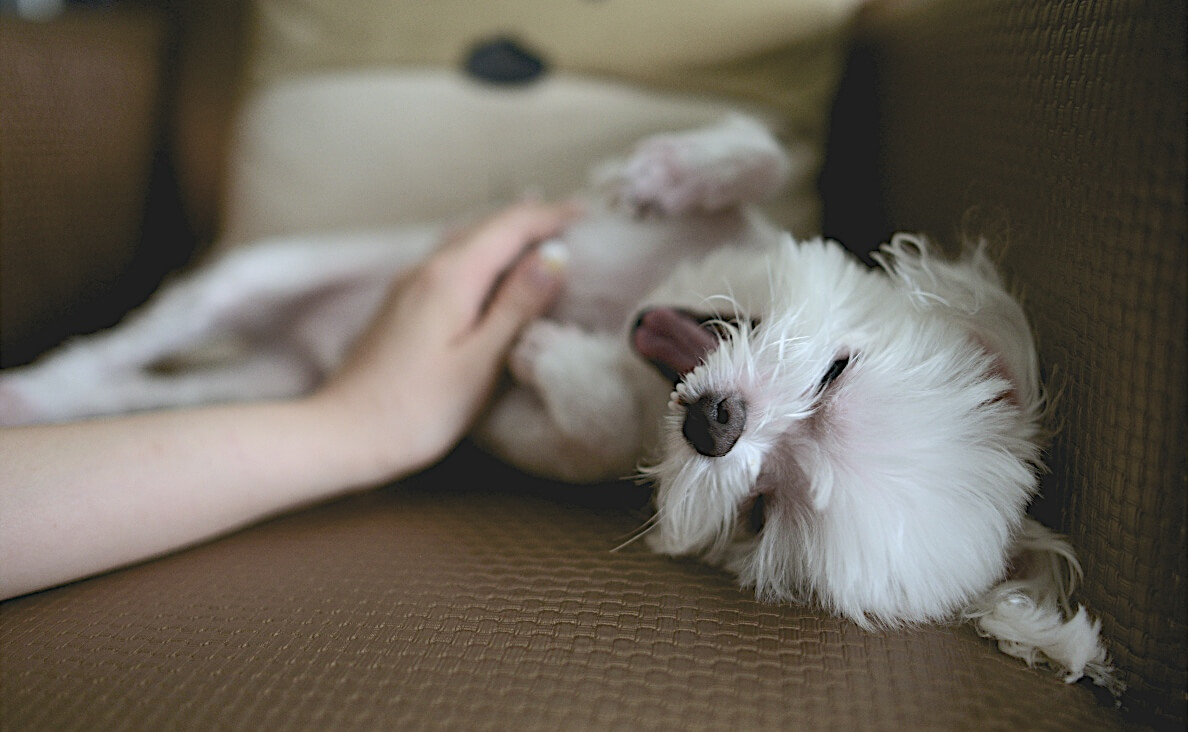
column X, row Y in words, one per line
column 358, row 113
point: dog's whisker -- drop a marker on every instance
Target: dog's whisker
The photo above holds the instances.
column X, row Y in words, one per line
column 639, row 533
column 727, row 298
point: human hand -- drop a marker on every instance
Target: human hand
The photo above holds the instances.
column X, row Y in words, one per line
column 410, row 388
column 427, row 364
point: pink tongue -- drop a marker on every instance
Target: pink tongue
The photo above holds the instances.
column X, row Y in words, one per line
column 674, row 341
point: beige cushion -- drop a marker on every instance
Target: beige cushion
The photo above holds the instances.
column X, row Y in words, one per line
column 358, row 116
column 766, row 48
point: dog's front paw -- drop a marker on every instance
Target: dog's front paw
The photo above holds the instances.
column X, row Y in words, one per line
column 538, row 343
column 578, row 379
column 705, row 170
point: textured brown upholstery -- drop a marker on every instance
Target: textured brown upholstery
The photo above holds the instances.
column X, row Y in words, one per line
column 1057, row 131
column 474, row 598
column 79, row 129
column 113, row 135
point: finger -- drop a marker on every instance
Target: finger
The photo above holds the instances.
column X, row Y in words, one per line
column 524, row 295
column 495, row 244
column 478, row 263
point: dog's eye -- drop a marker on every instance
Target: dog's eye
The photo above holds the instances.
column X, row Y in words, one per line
column 835, row 370
column 756, row 514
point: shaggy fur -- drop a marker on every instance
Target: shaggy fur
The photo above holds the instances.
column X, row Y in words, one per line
column 867, row 439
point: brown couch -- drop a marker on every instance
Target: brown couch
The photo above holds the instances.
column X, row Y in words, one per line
column 473, row 597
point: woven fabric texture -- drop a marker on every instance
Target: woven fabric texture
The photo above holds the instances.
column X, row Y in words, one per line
column 446, row 604
column 1056, row 130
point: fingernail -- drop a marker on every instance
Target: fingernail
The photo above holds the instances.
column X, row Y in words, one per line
column 551, row 262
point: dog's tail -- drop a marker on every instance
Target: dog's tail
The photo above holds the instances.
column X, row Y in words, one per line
column 1030, row 615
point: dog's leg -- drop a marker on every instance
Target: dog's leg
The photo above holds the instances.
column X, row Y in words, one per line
column 97, row 374
column 577, row 376
column 262, row 375
column 735, row 162
column 576, row 416
column 69, row 391
column 253, row 299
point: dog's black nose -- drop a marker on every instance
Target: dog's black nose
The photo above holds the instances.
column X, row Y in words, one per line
column 714, row 423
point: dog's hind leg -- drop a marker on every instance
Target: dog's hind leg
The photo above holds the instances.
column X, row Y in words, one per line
column 266, row 374
column 96, row 374
column 735, row 162
column 240, row 294
column 248, row 300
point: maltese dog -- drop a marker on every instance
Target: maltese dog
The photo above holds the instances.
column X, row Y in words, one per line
column 866, row 439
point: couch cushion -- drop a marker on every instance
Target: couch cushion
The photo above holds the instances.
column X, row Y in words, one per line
column 374, row 148
column 472, row 598
column 781, row 52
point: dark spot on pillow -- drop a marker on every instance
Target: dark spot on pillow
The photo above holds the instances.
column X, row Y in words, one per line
column 504, row 61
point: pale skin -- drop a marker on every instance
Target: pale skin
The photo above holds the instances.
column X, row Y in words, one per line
column 82, row 498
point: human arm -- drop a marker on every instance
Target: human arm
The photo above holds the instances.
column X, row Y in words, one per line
column 81, row 498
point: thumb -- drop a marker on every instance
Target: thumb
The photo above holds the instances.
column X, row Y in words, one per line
column 524, row 295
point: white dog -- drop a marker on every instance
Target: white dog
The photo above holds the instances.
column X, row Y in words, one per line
column 865, row 439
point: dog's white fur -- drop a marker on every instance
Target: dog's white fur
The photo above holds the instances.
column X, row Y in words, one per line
column 892, row 416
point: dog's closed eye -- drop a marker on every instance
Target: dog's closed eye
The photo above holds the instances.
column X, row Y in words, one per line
column 835, row 370
column 754, row 513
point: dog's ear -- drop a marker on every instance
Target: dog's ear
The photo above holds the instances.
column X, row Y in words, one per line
column 970, row 291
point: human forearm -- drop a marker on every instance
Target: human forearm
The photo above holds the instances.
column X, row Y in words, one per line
column 84, row 498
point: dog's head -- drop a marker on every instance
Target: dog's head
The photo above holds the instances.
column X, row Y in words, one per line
column 867, row 438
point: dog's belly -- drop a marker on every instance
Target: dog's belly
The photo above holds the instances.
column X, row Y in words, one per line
column 617, row 259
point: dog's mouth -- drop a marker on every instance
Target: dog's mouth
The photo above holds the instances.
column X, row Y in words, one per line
column 676, row 341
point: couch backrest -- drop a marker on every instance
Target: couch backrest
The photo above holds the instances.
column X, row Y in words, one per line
column 1057, row 130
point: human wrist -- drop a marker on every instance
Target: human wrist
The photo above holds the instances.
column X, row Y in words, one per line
column 370, row 448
